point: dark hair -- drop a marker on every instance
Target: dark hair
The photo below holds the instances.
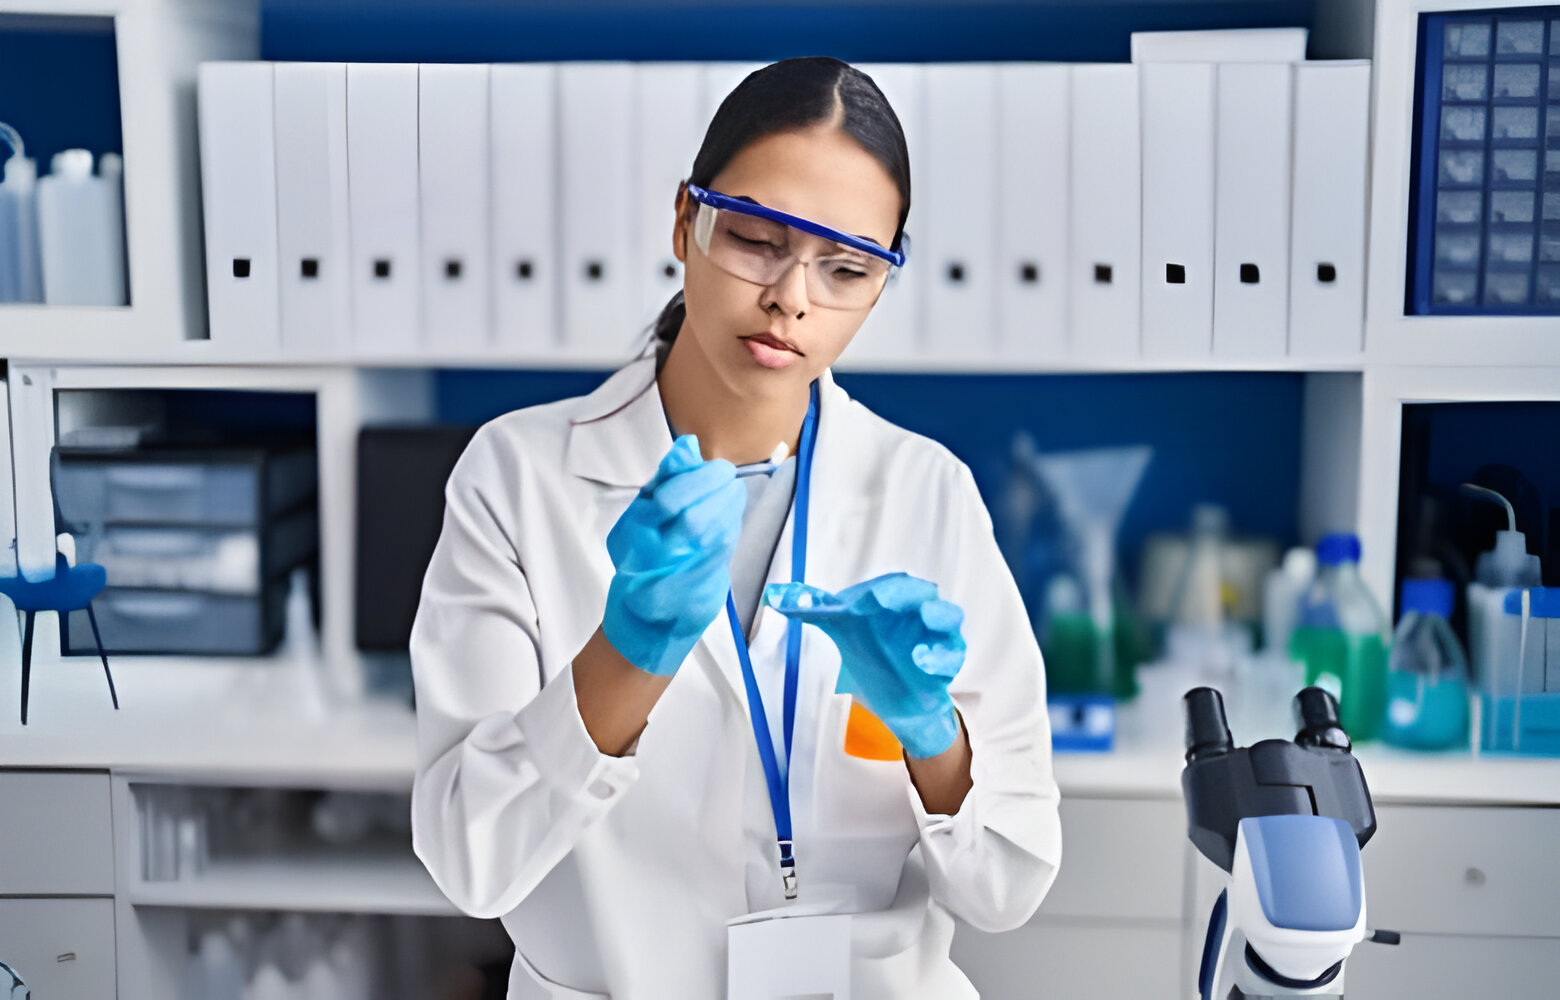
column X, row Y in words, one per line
column 787, row 96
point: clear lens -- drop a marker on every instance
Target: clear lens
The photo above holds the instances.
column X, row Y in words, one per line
column 763, row 251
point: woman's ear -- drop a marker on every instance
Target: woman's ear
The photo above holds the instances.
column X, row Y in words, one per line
column 680, row 225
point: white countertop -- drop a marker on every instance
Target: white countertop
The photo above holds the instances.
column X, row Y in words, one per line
column 239, row 722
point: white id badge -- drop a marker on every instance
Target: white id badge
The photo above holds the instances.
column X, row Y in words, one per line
column 772, row 957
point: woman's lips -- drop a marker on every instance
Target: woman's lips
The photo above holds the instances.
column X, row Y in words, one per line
column 773, row 341
column 771, row 352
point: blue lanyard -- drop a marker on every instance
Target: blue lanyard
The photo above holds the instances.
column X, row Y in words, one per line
column 779, row 784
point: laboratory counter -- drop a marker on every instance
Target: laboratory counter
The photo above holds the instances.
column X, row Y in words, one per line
column 234, row 723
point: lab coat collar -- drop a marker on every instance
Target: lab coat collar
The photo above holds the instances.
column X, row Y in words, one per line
column 619, row 436
column 620, row 433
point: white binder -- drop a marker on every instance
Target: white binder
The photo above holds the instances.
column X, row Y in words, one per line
column 669, row 100
column 1178, row 209
column 958, row 225
column 1220, row 45
column 1104, row 262
column 523, row 117
column 313, row 229
column 382, row 186
column 891, row 332
column 238, row 188
column 452, row 141
column 1032, row 218
column 596, row 194
column 1327, row 216
column 1251, row 283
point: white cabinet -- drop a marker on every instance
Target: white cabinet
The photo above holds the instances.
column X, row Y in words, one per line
column 56, row 834
column 1073, row 958
column 1121, row 859
column 62, row 948
column 1456, row 967
column 1461, row 870
column 1118, row 894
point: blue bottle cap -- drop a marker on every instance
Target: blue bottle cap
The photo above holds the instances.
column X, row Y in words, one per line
column 1428, row 596
column 1338, row 548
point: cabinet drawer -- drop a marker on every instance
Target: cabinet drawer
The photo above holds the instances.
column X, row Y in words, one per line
column 62, row 948
column 1453, row 967
column 1120, row 858
column 1455, row 870
column 56, row 834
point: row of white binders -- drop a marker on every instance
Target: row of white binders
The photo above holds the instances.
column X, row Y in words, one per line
column 1100, row 212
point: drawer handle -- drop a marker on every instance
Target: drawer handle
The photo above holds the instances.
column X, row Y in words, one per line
column 1474, row 877
column 69, row 956
column 154, row 477
column 161, row 606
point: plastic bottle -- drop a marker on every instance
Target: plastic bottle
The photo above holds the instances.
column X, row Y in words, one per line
column 21, row 271
column 222, row 966
column 301, row 651
column 81, row 233
column 1281, row 594
column 1493, row 636
column 1427, row 677
column 1339, row 638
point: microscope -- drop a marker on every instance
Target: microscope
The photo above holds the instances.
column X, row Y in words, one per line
column 1286, row 820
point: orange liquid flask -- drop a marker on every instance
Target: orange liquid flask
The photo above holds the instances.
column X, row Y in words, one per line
column 866, row 736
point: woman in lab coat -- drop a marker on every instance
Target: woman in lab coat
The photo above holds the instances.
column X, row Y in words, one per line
column 601, row 763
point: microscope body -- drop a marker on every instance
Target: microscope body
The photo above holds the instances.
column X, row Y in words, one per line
column 1286, row 820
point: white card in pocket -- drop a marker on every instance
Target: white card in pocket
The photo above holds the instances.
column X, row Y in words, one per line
column 776, row 957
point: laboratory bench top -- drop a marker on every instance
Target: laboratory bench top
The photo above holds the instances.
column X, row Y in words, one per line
column 232, row 723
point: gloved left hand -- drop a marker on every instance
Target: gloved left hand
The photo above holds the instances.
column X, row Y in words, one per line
column 900, row 648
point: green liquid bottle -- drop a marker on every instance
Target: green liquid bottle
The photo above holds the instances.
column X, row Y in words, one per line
column 1340, row 638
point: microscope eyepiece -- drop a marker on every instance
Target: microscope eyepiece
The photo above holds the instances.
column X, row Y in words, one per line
column 1207, row 730
column 1317, row 712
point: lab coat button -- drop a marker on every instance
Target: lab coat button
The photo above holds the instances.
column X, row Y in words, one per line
column 602, row 789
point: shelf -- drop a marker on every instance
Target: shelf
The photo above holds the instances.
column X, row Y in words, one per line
column 375, row 878
column 213, row 721
column 109, row 347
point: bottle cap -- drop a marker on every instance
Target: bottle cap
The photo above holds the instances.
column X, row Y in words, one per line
column 1338, row 548
column 1428, row 596
column 75, row 164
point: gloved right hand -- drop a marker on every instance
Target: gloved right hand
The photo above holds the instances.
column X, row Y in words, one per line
column 672, row 549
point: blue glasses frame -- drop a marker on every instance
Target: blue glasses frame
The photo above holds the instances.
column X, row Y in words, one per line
column 726, row 203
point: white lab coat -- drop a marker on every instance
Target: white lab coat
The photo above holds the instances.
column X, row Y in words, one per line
column 616, row 876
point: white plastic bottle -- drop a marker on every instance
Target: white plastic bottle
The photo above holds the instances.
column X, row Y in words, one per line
column 1494, row 637
column 221, row 965
column 300, row 651
column 21, row 271
column 81, row 233
column 1281, row 595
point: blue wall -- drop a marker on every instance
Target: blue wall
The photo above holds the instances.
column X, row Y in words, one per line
column 60, row 89
column 877, row 31
column 1228, row 437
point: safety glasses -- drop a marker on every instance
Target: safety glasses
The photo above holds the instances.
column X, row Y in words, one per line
column 761, row 245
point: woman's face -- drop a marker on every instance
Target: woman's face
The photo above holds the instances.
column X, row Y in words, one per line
column 820, row 174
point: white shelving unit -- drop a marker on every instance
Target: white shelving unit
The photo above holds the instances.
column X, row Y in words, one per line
column 158, row 44
column 387, row 879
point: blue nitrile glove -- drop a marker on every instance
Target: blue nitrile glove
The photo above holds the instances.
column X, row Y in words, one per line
column 672, row 549
column 900, row 647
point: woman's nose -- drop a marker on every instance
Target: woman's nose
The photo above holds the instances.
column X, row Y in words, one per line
column 789, row 291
